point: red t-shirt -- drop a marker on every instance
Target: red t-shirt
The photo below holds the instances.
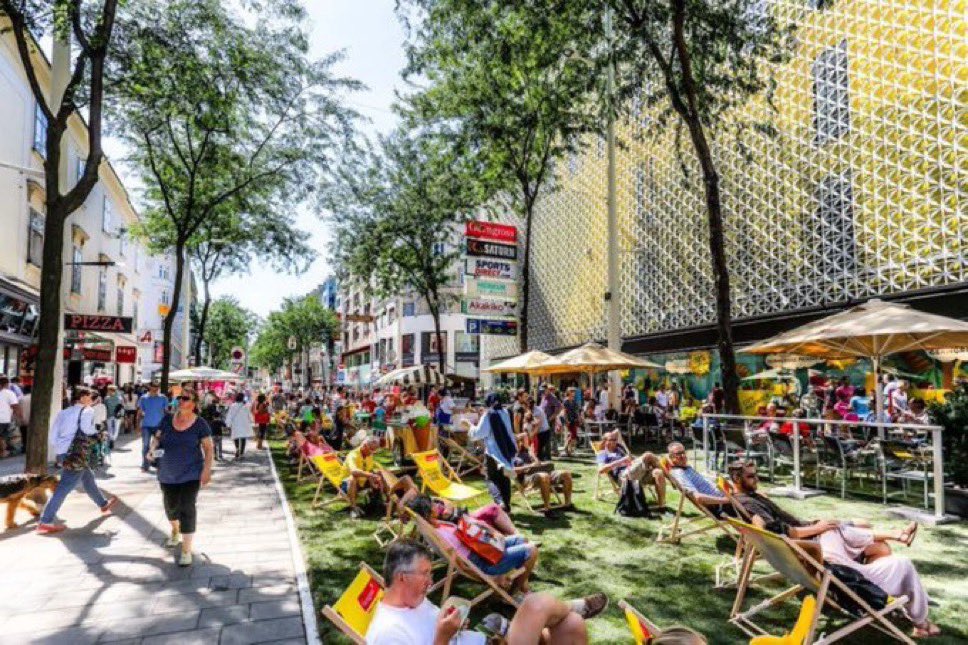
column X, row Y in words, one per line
column 787, row 429
column 432, row 402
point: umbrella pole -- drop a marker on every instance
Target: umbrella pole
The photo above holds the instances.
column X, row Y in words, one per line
column 878, row 400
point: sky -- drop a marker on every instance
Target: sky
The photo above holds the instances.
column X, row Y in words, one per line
column 372, row 37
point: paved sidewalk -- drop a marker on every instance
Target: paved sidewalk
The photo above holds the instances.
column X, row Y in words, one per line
column 110, row 579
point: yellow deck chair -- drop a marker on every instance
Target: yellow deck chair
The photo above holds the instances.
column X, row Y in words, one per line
column 457, row 565
column 643, row 630
column 438, row 475
column 807, row 574
column 332, row 470
column 798, row 636
column 354, row 610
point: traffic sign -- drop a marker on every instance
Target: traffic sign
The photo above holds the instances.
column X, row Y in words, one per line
column 493, row 327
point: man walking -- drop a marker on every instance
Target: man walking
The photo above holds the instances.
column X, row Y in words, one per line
column 114, row 405
column 9, row 413
column 151, row 410
column 72, row 434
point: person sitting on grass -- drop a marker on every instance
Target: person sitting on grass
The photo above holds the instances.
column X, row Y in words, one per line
column 359, row 472
column 615, row 461
column 852, row 544
column 703, row 490
column 406, row 617
column 525, row 466
column 518, row 552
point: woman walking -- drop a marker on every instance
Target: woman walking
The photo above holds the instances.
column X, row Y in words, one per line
column 239, row 421
column 262, row 417
column 186, row 451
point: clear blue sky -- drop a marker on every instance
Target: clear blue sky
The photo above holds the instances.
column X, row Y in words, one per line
column 372, row 37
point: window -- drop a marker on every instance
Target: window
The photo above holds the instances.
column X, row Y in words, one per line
column 831, row 94
column 428, row 345
column 406, row 350
column 79, row 168
column 102, row 290
column 122, row 243
column 601, row 147
column 821, row 4
column 121, row 299
column 35, row 238
column 107, row 218
column 439, row 248
column 76, row 257
column 409, row 309
column 833, row 228
column 40, row 132
column 134, row 315
column 165, row 297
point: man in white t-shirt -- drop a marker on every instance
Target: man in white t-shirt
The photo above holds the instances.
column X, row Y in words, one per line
column 406, row 617
column 9, row 413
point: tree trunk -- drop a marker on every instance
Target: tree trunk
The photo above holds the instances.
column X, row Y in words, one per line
column 202, row 321
column 169, row 321
column 43, row 401
column 525, row 278
column 441, row 350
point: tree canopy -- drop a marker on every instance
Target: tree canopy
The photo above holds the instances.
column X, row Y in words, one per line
column 229, row 325
column 304, row 319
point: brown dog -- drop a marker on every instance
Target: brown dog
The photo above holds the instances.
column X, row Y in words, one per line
column 15, row 489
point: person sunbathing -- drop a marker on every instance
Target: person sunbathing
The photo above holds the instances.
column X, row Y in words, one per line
column 852, row 544
column 406, row 617
column 526, row 467
column 703, row 490
column 615, row 461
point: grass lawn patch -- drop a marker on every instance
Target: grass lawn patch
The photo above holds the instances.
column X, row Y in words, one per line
column 593, row 549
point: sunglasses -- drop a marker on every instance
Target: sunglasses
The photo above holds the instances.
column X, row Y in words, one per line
column 184, row 398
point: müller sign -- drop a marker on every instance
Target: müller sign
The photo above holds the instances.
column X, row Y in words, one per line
column 84, row 322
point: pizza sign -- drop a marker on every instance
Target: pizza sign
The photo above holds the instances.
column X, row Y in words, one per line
column 110, row 324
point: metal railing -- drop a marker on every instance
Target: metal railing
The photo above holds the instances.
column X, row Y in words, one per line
column 882, row 430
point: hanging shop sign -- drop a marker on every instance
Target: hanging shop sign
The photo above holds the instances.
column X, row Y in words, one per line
column 125, row 354
column 494, row 289
column 145, row 337
column 93, row 354
column 492, row 327
column 484, row 249
column 159, row 353
column 85, row 322
column 490, row 231
column 485, row 307
column 490, row 268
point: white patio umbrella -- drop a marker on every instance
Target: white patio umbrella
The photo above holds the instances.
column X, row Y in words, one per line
column 593, row 358
column 203, row 374
column 527, row 363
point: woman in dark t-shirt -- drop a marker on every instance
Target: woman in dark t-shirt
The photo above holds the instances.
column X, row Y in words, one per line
column 186, row 465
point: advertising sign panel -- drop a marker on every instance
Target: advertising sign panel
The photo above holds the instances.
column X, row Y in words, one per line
column 494, row 289
column 491, row 268
column 125, row 354
column 484, row 249
column 490, row 308
column 85, row 322
column 490, row 231
column 494, row 327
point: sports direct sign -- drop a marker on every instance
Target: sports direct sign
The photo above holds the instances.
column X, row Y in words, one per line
column 503, row 233
column 488, row 268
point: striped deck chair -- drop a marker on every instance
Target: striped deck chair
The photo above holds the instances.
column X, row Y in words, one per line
column 809, row 575
column 438, row 475
column 675, row 532
column 616, row 489
column 354, row 610
column 643, row 630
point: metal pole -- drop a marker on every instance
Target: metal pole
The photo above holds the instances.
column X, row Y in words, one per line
column 613, row 301
column 938, row 473
column 796, row 457
column 705, row 438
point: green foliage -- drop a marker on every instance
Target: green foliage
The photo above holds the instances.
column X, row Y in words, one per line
column 953, row 417
column 304, row 319
column 229, row 324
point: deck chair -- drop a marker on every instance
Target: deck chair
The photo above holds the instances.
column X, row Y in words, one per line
column 808, row 612
column 354, row 610
column 331, row 468
column 807, row 574
column 467, row 462
column 643, row 630
column 681, row 527
column 391, row 526
column 438, row 475
column 522, row 490
column 458, row 565
column 600, row 494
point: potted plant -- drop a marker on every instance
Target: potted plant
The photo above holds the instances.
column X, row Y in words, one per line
column 953, row 417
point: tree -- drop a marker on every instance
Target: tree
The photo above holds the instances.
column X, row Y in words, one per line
column 216, row 112
column 520, row 101
column 229, row 325
column 398, row 213
column 304, row 319
column 89, row 29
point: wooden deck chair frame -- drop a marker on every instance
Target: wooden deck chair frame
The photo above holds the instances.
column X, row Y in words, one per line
column 448, row 473
column 682, row 527
column 521, row 489
column 599, row 493
column 807, row 574
column 333, row 614
column 645, row 624
column 311, row 470
column 460, row 566
column 467, row 462
column 324, row 478
column 391, row 526
column 728, row 573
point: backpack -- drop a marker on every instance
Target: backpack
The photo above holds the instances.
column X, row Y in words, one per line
column 480, row 539
column 860, row 585
column 631, row 501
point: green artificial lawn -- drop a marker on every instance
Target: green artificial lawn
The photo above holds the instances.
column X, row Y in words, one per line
column 592, row 549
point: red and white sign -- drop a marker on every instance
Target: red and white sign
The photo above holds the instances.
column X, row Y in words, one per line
column 145, row 337
column 125, row 354
column 504, row 233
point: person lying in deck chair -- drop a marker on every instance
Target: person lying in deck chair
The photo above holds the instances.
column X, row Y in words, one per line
column 614, row 460
column 360, row 472
column 524, row 465
column 703, row 490
column 406, row 617
column 852, row 544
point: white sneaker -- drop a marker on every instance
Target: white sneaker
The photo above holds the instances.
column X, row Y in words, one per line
column 173, row 540
column 185, row 560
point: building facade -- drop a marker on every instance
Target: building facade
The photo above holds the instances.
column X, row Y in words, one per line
column 860, row 193
column 156, row 302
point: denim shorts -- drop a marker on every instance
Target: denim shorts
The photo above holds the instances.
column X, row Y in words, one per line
column 516, row 552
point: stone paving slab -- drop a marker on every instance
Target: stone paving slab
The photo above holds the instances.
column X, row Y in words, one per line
column 112, row 580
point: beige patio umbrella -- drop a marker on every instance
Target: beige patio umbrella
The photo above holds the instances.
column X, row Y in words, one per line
column 872, row 330
column 527, row 363
column 593, row 358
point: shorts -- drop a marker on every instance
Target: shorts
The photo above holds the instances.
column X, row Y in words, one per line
column 263, row 431
column 517, row 552
column 487, row 514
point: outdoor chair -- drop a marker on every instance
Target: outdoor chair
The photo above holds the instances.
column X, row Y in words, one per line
column 522, row 490
column 643, row 630
column 808, row 614
column 682, row 527
column 600, row 492
column 354, row 610
column 807, row 574
column 467, row 462
column 438, row 475
column 734, row 444
column 831, row 459
column 902, row 461
column 331, row 468
column 759, row 449
column 457, row 565
column 391, row 526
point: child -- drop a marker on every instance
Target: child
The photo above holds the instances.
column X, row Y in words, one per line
column 211, row 414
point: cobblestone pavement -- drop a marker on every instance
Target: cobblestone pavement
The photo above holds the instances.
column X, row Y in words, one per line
column 112, row 580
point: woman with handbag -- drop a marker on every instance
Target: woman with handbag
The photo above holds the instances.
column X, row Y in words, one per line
column 73, row 435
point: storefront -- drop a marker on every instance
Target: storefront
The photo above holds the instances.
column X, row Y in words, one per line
column 19, row 315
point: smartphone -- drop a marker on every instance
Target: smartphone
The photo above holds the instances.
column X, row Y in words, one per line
column 462, row 606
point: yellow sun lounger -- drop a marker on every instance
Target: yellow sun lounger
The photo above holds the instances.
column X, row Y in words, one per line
column 332, row 471
column 438, row 475
column 354, row 610
column 643, row 630
column 808, row 612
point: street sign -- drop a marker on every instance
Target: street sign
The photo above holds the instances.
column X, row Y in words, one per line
column 125, row 354
column 483, row 249
column 485, row 307
column 493, row 327
column 491, row 268
column 110, row 324
column 292, row 342
column 238, row 368
column 490, row 231
column 494, row 289
column 237, row 354
column 359, row 318
column 145, row 337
